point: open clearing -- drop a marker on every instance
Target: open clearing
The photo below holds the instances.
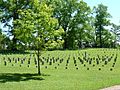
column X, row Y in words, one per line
column 88, row 69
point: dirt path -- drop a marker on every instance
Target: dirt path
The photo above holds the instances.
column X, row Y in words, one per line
column 116, row 87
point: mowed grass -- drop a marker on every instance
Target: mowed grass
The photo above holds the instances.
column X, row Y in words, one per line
column 61, row 70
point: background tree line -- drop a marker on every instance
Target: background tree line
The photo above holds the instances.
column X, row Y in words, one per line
column 55, row 24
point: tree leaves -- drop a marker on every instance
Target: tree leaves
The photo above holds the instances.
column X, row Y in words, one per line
column 101, row 20
column 37, row 26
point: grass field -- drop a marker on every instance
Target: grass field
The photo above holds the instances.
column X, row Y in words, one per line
column 88, row 69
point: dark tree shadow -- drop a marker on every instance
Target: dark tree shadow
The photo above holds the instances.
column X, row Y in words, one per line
column 16, row 77
column 5, row 52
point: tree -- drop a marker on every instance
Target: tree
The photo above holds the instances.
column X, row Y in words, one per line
column 70, row 13
column 9, row 10
column 38, row 25
column 4, row 41
column 107, row 39
column 101, row 20
column 84, row 34
column 116, row 32
column 1, row 39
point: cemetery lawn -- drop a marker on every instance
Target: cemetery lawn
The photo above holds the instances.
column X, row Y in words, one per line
column 65, row 72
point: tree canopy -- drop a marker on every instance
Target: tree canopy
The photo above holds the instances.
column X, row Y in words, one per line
column 101, row 20
column 57, row 24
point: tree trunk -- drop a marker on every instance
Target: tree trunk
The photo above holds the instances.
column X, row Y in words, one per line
column 65, row 39
column 14, row 44
column 100, row 34
column 15, row 16
column 38, row 57
column 96, row 39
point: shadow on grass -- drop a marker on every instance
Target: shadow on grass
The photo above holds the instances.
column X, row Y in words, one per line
column 15, row 77
column 6, row 52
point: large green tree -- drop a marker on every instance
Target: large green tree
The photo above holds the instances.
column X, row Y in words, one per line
column 36, row 25
column 101, row 20
column 9, row 10
column 70, row 13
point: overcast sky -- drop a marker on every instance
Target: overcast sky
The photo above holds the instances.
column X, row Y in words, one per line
column 113, row 8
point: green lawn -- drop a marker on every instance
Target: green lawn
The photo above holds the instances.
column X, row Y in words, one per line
column 100, row 68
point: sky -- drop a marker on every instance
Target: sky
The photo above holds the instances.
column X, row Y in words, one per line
column 113, row 8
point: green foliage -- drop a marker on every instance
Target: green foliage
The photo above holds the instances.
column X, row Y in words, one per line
column 115, row 31
column 101, row 20
column 37, row 26
column 9, row 10
column 56, row 24
column 71, row 13
column 1, row 38
column 4, row 41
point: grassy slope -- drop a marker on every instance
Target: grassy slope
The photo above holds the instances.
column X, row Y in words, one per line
column 23, row 78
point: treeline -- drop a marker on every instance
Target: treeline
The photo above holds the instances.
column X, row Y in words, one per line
column 56, row 24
